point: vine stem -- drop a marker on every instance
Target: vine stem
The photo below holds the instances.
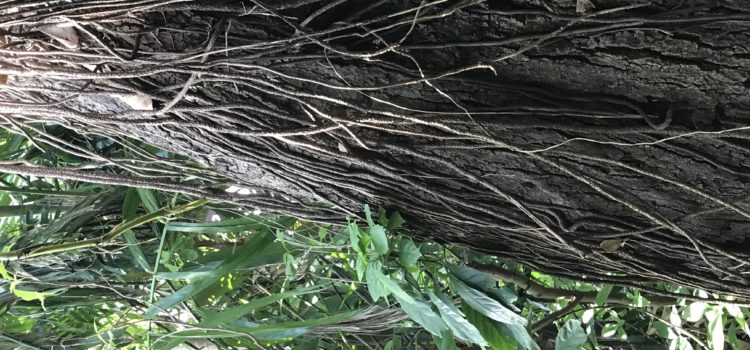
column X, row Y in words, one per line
column 118, row 230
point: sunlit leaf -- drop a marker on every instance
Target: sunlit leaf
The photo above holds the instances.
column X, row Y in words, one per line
column 520, row 334
column 379, row 239
column 395, row 221
column 570, row 336
column 486, row 305
column 368, row 216
column 715, row 330
column 489, row 330
column 457, row 322
column 445, row 341
column 422, row 314
column 603, row 294
column 694, row 312
column 408, row 253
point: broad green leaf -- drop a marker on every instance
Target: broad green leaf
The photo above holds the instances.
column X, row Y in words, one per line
column 368, row 216
column 395, row 221
column 743, row 324
column 422, row 314
column 148, row 198
column 394, row 288
column 408, row 253
column 354, row 237
column 570, row 336
column 603, row 294
column 732, row 337
column 520, row 335
column 694, row 312
column 473, row 278
column 487, row 284
column 374, row 283
column 359, row 265
column 456, row 322
column 489, row 330
column 680, row 343
column 486, row 305
column 715, row 330
column 445, row 341
column 662, row 329
column 379, row 239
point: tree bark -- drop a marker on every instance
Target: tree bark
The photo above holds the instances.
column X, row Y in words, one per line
column 608, row 144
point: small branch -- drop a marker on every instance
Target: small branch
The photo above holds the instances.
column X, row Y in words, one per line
column 556, row 315
column 109, row 237
column 538, row 291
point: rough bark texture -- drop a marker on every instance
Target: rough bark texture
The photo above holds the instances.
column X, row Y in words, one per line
column 606, row 144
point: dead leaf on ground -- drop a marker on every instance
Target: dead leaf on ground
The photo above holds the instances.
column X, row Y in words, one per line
column 611, row 245
column 137, row 102
column 582, row 6
column 64, row 34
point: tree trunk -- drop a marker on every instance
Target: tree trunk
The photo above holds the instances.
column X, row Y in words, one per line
column 604, row 140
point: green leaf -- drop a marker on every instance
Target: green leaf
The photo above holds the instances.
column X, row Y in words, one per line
column 408, row 253
column 472, row 277
column 639, row 300
column 33, row 295
column 485, row 283
column 445, row 341
column 662, row 329
column 354, row 237
column 422, row 314
column 148, row 198
column 603, row 294
column 520, row 335
column 680, row 343
column 368, row 216
column 715, row 330
column 694, row 312
column 129, row 210
column 395, row 221
column 374, row 283
column 394, row 288
column 486, row 305
column 571, row 336
column 379, row 239
column 456, row 322
column 359, row 265
column 732, row 337
column 489, row 330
